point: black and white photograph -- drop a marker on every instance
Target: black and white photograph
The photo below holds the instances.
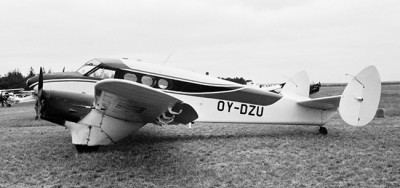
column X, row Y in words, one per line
column 200, row 93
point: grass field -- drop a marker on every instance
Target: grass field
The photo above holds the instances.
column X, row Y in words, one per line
column 38, row 153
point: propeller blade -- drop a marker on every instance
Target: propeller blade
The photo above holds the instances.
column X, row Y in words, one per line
column 39, row 101
column 40, row 87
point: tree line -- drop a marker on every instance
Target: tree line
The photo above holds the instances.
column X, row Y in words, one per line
column 15, row 79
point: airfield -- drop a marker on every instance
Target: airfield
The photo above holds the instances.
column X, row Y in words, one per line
column 39, row 153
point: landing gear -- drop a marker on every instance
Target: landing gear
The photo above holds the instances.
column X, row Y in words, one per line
column 323, row 130
column 86, row 149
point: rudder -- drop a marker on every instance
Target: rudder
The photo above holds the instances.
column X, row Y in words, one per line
column 299, row 84
column 361, row 97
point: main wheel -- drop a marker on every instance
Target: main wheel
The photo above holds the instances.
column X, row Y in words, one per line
column 323, row 130
column 86, row 149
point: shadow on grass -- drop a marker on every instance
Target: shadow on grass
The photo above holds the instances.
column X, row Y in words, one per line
column 149, row 137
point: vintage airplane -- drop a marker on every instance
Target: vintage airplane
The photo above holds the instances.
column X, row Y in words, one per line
column 7, row 95
column 106, row 100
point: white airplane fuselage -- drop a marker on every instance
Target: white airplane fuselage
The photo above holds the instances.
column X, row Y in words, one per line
column 214, row 100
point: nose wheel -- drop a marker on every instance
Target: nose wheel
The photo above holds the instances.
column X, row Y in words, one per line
column 323, row 130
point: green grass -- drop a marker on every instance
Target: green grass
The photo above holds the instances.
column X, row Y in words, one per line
column 38, row 153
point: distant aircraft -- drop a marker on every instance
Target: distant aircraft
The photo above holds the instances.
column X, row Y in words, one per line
column 16, row 96
column 7, row 95
column 106, row 100
column 23, row 97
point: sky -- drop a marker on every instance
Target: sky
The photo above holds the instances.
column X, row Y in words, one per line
column 262, row 40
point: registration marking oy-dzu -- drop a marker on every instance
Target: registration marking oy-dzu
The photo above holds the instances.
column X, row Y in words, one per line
column 244, row 109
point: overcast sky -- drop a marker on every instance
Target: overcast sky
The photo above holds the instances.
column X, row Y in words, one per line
column 263, row 40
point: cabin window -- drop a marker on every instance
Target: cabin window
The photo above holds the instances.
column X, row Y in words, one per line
column 163, row 83
column 147, row 80
column 103, row 73
column 131, row 77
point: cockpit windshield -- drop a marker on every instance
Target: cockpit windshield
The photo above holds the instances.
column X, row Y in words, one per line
column 93, row 68
column 88, row 67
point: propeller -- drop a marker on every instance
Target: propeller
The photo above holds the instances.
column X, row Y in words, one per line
column 39, row 102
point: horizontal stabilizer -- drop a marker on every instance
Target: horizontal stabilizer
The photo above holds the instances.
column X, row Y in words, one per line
column 324, row 103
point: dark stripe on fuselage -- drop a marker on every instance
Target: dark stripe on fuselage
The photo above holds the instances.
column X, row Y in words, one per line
column 187, row 87
column 244, row 95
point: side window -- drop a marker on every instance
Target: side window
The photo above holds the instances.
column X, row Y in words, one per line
column 151, row 81
column 108, row 73
column 131, row 77
column 163, row 84
column 147, row 80
column 103, row 73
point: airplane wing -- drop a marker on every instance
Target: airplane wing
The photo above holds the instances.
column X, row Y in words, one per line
column 324, row 103
column 134, row 102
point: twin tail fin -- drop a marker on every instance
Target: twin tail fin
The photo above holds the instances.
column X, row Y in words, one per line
column 358, row 103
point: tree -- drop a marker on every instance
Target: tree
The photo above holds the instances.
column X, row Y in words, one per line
column 13, row 79
column 3, row 82
column 31, row 73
